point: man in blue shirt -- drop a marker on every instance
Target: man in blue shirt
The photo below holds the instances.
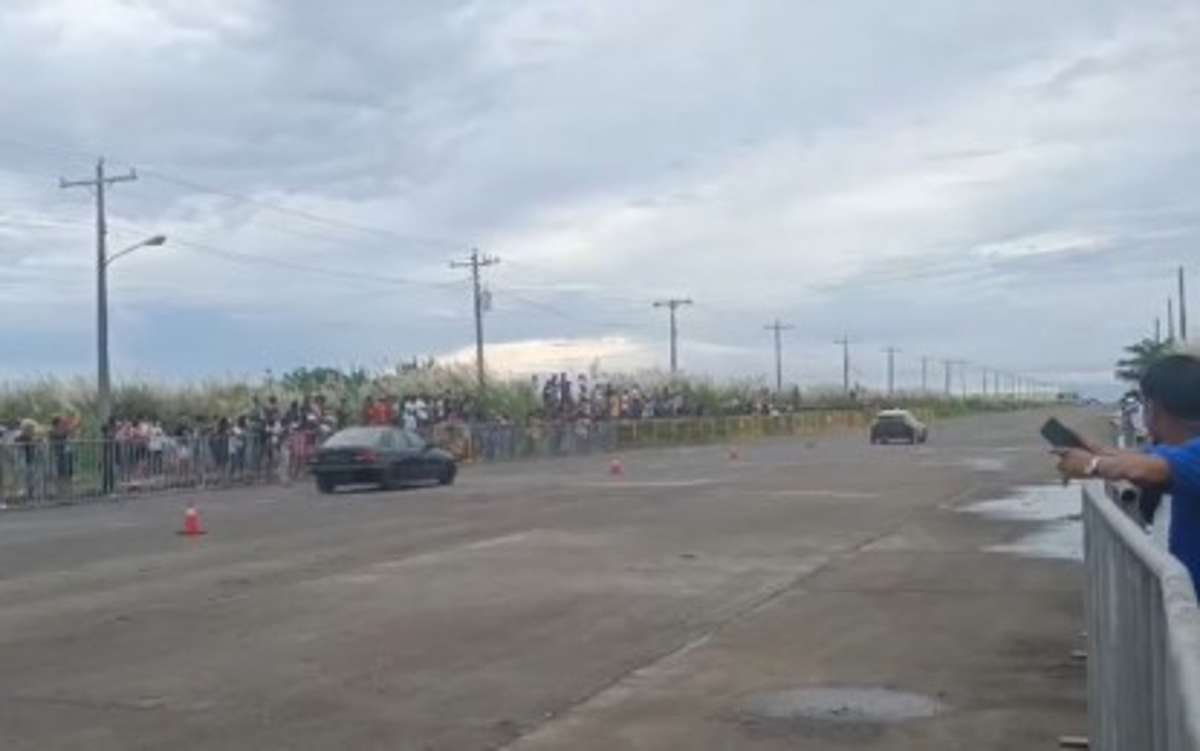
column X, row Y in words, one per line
column 1171, row 391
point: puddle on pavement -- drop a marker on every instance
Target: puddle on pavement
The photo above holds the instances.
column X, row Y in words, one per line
column 1055, row 508
column 846, row 712
column 975, row 464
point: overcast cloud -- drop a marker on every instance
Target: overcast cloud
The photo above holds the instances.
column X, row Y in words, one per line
column 1007, row 183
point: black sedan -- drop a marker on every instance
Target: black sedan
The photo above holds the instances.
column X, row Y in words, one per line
column 384, row 456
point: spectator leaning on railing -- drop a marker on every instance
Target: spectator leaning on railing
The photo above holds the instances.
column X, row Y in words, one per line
column 1171, row 392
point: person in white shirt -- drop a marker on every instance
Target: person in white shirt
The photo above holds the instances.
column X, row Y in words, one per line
column 156, row 445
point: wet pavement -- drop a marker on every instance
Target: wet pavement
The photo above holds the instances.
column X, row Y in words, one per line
column 1053, row 513
column 811, row 594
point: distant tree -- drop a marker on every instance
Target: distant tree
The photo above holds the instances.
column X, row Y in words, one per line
column 1142, row 355
column 312, row 380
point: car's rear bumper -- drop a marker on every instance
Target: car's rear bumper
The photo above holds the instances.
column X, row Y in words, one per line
column 894, row 435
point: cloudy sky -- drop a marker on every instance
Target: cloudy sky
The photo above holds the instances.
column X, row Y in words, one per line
column 1012, row 184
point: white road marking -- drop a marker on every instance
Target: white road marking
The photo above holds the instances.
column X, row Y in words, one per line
column 618, row 483
column 824, row 494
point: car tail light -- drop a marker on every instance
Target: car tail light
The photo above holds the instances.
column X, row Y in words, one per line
column 366, row 457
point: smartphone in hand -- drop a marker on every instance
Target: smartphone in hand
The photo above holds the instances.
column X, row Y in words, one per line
column 1060, row 436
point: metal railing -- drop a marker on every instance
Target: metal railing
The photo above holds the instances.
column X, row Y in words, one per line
column 1143, row 628
column 47, row 472
column 54, row 471
column 549, row 438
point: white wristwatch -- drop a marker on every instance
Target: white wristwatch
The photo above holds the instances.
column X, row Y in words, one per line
column 1093, row 467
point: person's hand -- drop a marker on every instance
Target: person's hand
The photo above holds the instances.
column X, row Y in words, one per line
column 1073, row 463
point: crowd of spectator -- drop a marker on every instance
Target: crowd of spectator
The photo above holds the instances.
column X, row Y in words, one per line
column 572, row 399
column 269, row 439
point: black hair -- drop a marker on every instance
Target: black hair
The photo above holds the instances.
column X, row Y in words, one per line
column 1173, row 383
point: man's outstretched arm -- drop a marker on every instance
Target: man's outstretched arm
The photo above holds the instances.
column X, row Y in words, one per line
column 1147, row 471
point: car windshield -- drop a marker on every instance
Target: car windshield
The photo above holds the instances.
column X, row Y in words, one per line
column 357, row 437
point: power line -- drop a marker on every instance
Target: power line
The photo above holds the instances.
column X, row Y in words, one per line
column 891, row 368
column 845, row 343
column 778, row 328
column 301, row 213
column 673, row 304
column 328, row 221
column 43, row 223
column 99, row 182
column 248, row 258
column 1182, row 308
column 948, row 366
column 559, row 312
column 476, row 262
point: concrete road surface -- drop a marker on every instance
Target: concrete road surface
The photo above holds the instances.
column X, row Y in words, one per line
column 548, row 605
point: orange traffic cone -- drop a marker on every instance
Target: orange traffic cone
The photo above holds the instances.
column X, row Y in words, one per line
column 616, row 468
column 191, row 523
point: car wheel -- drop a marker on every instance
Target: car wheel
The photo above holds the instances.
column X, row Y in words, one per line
column 326, row 484
column 447, row 477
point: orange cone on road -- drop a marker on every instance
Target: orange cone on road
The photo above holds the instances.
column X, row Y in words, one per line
column 191, row 523
column 616, row 468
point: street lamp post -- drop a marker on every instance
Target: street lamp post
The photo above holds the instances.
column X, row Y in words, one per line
column 104, row 396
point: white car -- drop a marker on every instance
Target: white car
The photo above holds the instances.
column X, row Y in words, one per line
column 898, row 425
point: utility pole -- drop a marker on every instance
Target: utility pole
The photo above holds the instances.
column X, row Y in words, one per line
column 924, row 374
column 962, row 376
column 1170, row 320
column 673, row 304
column 99, row 182
column 476, row 262
column 996, row 383
column 983, row 381
column 948, row 365
column 845, row 343
column 1157, row 330
column 891, row 369
column 778, row 328
column 1182, row 308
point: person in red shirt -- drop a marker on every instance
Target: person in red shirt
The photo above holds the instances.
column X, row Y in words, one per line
column 385, row 414
column 378, row 412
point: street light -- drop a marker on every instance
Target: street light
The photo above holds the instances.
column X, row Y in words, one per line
column 148, row 242
column 104, row 397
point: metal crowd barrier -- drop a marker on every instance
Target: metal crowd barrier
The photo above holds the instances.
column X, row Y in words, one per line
column 49, row 472
column 489, row 442
column 45, row 472
column 1143, row 627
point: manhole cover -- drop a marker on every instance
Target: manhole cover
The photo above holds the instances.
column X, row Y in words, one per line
column 843, row 705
